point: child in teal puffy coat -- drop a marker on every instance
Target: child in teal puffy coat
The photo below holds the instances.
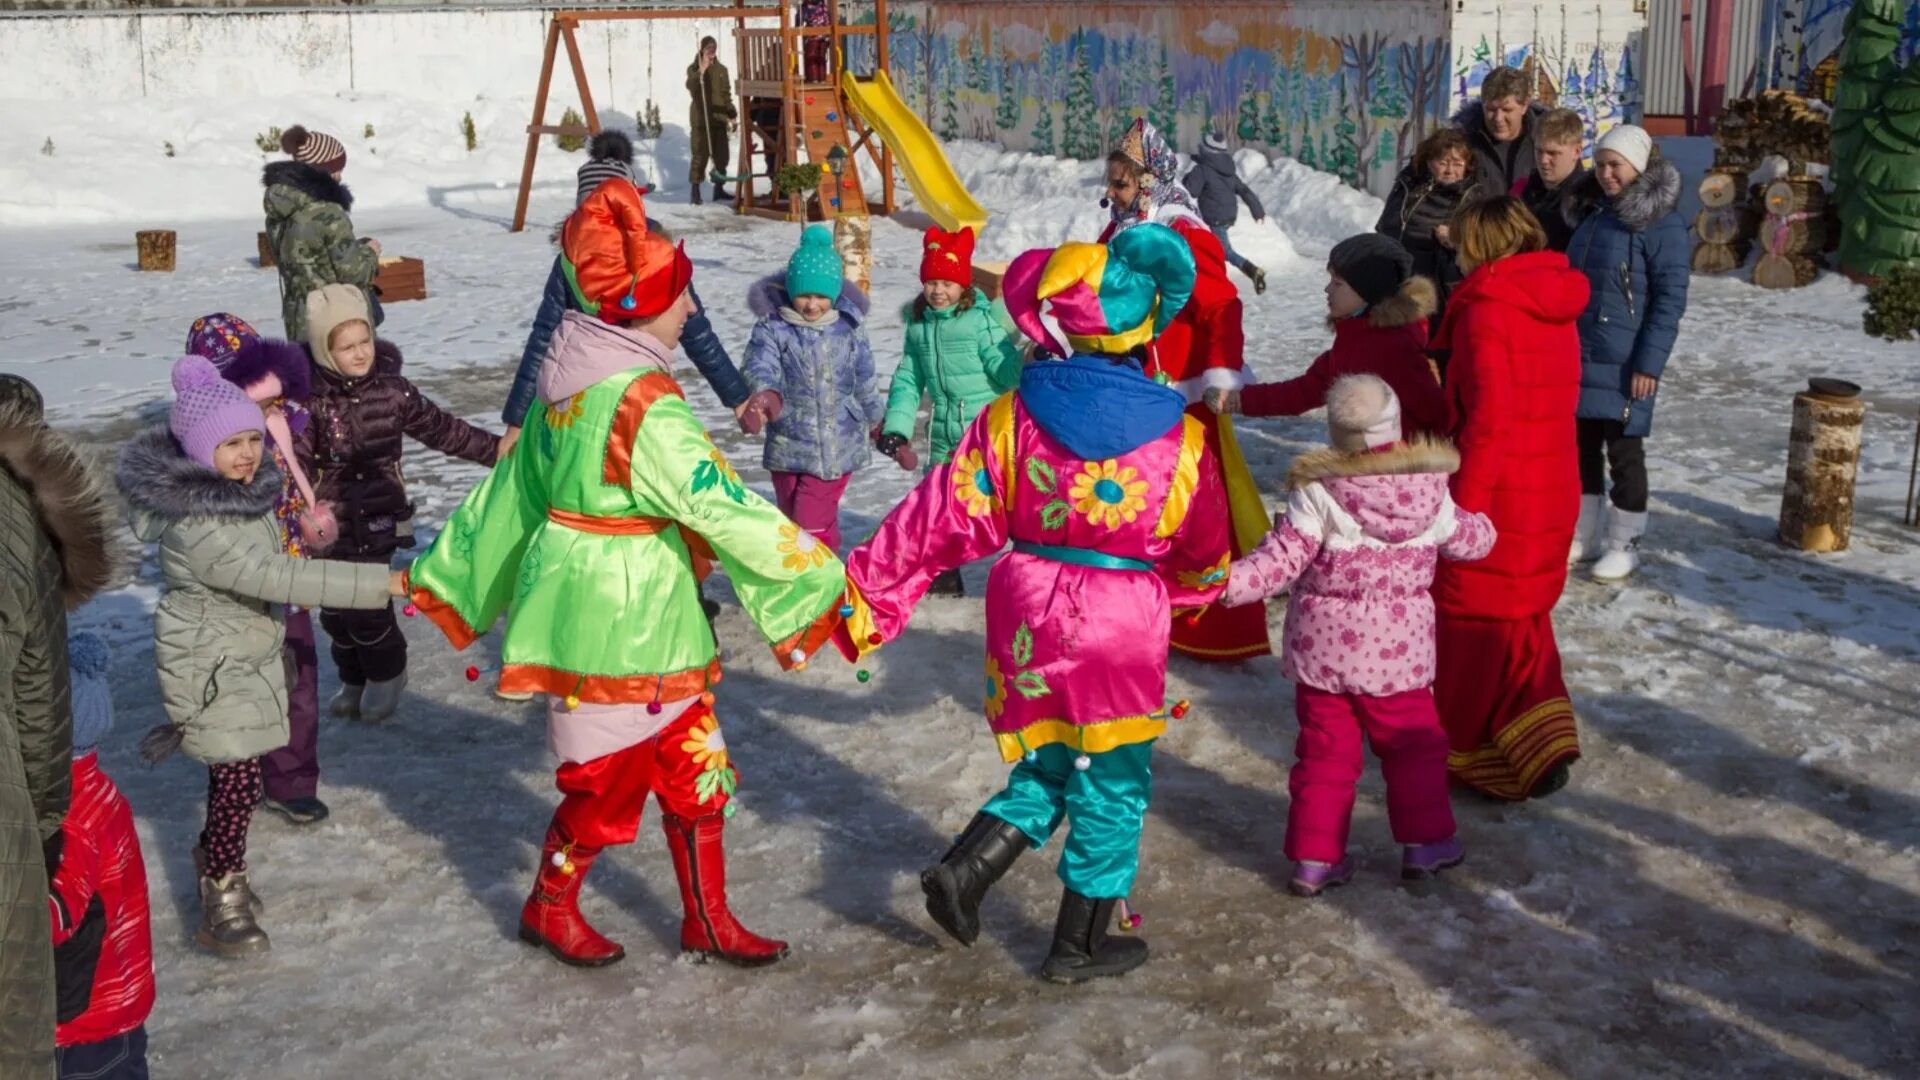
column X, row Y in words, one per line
column 957, row 354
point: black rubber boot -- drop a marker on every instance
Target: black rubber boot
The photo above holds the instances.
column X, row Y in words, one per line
column 1081, row 948
column 948, row 583
column 696, row 195
column 721, row 194
column 956, row 886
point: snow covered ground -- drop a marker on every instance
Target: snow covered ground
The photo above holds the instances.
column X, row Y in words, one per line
column 1730, row 887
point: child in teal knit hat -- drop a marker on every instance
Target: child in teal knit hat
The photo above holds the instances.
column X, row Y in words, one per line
column 810, row 348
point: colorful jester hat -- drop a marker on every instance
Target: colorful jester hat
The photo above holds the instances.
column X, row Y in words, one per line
column 1107, row 298
column 618, row 271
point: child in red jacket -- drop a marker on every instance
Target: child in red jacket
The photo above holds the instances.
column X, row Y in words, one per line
column 1378, row 311
column 102, row 943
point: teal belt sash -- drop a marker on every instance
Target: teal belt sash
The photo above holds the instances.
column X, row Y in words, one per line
column 1074, row 556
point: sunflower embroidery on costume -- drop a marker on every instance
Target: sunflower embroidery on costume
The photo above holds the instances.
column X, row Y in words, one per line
column 565, row 413
column 708, row 749
column 973, row 485
column 1108, row 493
column 801, row 549
column 996, row 690
column 1208, row 578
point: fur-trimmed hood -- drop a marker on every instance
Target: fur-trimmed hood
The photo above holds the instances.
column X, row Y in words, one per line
column 769, row 295
column 1653, row 195
column 1417, row 299
column 1394, row 494
column 68, row 494
column 283, row 360
column 163, row 485
column 303, row 183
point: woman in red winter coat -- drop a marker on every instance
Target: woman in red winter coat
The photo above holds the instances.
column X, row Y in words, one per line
column 1513, row 384
column 1378, row 311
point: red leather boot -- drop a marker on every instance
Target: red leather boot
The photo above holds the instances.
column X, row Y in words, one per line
column 710, row 929
column 551, row 918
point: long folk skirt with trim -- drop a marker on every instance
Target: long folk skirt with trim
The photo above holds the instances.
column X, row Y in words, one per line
column 1503, row 702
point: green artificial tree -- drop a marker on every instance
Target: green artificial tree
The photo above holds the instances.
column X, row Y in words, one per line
column 1876, row 143
column 1247, row 123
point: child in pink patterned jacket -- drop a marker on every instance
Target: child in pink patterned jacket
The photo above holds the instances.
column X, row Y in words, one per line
column 1364, row 525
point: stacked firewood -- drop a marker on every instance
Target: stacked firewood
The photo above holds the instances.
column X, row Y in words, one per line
column 1725, row 227
column 1796, row 233
column 1772, row 123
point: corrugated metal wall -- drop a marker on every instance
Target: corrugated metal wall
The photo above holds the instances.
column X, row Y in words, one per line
column 1666, row 81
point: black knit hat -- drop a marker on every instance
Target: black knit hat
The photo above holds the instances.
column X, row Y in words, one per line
column 1376, row 266
column 609, row 156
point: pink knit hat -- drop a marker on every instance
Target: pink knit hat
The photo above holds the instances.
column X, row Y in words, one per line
column 208, row 410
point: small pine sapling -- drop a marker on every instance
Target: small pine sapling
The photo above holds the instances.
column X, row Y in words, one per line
column 367, row 132
column 47, row 147
column 467, row 130
column 571, row 143
column 168, row 147
column 1893, row 305
column 269, row 142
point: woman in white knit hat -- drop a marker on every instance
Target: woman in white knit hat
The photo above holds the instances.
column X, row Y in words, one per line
column 1633, row 248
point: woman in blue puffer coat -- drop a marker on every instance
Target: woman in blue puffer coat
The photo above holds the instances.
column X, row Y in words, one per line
column 1633, row 248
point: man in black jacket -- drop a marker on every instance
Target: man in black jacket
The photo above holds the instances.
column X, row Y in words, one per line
column 1557, row 140
column 1499, row 126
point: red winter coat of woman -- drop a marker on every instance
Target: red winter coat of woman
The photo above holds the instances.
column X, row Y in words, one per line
column 1388, row 340
column 1513, row 383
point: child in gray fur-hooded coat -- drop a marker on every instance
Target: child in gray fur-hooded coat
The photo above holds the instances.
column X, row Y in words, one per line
column 203, row 490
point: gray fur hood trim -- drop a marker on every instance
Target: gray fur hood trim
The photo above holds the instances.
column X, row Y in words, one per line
column 1653, row 195
column 160, row 480
column 769, row 295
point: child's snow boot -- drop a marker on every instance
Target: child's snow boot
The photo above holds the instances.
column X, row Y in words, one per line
column 254, row 903
column 1621, row 556
column 551, row 916
column 710, row 930
column 1311, row 878
column 948, row 583
column 346, row 703
column 1081, row 948
column 1586, row 533
column 1421, row 861
column 377, row 705
column 227, row 925
column 301, row 810
column 956, row 886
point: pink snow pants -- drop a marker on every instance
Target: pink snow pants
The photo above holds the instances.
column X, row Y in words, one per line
column 812, row 503
column 1404, row 730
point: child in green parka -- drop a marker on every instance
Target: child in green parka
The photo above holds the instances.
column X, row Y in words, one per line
column 957, row 354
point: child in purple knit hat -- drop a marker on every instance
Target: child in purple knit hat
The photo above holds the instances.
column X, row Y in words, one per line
column 276, row 374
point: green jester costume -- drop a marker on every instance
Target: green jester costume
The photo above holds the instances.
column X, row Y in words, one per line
column 591, row 536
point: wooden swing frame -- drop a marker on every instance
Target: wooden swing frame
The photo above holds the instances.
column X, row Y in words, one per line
column 560, row 31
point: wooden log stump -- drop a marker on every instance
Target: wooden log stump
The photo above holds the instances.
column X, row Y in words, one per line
column 1722, row 226
column 399, row 279
column 1795, row 195
column 1784, row 271
column 1719, row 258
column 853, row 239
column 267, row 261
column 1721, row 187
column 156, row 248
column 1823, row 455
column 1794, row 236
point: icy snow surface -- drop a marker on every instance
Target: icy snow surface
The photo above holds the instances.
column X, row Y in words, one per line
column 1728, row 888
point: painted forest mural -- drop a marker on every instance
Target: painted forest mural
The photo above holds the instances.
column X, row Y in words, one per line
column 1347, row 87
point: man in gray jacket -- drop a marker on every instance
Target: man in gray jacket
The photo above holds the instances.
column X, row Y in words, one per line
column 1215, row 185
column 55, row 523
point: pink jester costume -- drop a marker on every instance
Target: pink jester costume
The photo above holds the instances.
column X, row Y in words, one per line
column 1116, row 514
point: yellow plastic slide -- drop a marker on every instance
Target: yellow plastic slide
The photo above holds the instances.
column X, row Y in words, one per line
column 935, row 185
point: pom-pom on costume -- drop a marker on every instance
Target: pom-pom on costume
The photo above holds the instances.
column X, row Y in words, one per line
column 1113, row 505
column 1201, row 349
column 593, row 534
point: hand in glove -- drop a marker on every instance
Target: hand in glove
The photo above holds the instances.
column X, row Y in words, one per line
column 1221, row 400
column 900, row 449
column 759, row 410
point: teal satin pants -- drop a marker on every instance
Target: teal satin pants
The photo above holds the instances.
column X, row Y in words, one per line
column 1103, row 804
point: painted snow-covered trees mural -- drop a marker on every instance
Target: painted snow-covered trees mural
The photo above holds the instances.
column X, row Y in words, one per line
column 1346, row 85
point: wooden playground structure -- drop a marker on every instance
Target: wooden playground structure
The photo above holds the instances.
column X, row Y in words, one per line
column 788, row 80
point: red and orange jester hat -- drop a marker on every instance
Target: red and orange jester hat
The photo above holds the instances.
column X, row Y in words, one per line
column 1106, row 298
column 618, row 270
